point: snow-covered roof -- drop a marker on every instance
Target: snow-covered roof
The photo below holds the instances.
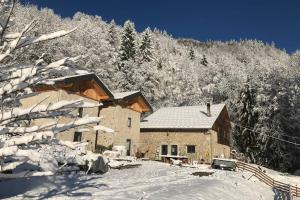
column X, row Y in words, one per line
column 122, row 95
column 86, row 76
column 185, row 117
column 129, row 95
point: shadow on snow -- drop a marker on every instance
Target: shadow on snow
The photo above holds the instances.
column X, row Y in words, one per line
column 66, row 185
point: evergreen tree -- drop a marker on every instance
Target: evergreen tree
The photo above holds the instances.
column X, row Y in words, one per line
column 204, row 61
column 112, row 36
column 146, row 46
column 246, row 140
column 191, row 54
column 128, row 48
column 279, row 120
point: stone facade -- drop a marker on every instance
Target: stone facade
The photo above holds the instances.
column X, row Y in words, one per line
column 205, row 142
column 126, row 125
column 59, row 95
column 114, row 117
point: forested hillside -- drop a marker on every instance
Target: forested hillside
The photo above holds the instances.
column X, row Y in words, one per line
column 259, row 82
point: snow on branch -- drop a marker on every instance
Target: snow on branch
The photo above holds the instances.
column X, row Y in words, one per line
column 103, row 128
column 19, row 141
column 12, row 165
column 72, row 145
column 25, row 139
column 25, row 174
column 29, row 41
column 9, row 116
column 78, row 122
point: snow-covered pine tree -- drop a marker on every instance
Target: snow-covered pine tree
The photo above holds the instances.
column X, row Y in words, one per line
column 191, row 53
column 128, row 46
column 278, row 121
column 245, row 139
column 204, row 61
column 112, row 35
column 127, row 57
column 19, row 141
column 146, row 46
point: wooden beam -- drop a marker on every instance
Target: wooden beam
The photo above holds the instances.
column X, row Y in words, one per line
column 89, row 89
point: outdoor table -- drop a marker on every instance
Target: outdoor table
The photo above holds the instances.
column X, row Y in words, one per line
column 167, row 158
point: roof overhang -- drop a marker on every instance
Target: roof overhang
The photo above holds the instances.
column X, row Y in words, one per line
column 87, row 85
column 134, row 100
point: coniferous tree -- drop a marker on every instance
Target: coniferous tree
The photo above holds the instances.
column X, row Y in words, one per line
column 279, row 121
column 128, row 48
column 246, row 140
column 191, row 54
column 204, row 61
column 146, row 46
column 112, row 35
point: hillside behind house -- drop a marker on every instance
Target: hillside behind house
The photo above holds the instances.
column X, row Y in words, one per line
column 177, row 72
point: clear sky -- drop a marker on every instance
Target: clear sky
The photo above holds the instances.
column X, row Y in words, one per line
column 266, row 20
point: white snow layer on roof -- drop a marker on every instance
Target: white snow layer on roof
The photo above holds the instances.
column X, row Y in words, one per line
column 71, row 76
column 185, row 117
column 121, row 95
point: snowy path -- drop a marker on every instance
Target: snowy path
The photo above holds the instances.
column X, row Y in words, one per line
column 152, row 180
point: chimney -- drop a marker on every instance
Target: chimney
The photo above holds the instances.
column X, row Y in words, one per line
column 208, row 109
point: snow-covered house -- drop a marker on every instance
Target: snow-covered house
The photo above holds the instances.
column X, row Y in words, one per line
column 120, row 111
column 123, row 115
column 197, row 132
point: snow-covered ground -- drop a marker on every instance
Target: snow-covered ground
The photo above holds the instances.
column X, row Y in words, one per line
column 152, row 180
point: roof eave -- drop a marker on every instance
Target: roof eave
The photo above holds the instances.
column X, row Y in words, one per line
column 90, row 76
column 134, row 95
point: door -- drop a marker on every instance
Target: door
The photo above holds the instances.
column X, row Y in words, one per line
column 174, row 150
column 128, row 146
column 164, row 150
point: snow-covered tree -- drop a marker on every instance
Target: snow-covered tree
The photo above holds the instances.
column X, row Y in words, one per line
column 279, row 122
column 191, row 54
column 20, row 142
column 112, row 35
column 204, row 61
column 146, row 46
column 128, row 46
column 246, row 140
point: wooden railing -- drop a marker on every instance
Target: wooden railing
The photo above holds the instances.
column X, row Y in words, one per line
column 292, row 190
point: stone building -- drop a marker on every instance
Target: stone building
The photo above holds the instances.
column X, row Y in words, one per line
column 123, row 115
column 121, row 111
column 197, row 132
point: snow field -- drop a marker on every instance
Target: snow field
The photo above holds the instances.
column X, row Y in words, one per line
column 152, row 180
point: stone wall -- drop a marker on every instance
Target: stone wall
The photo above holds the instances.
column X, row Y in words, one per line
column 116, row 118
column 56, row 96
column 151, row 144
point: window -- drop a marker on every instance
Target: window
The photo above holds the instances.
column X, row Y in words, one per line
column 129, row 122
column 174, row 150
column 164, row 149
column 77, row 137
column 80, row 112
column 191, row 149
column 222, row 136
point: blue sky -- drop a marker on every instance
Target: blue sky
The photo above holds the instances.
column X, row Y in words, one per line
column 266, row 20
